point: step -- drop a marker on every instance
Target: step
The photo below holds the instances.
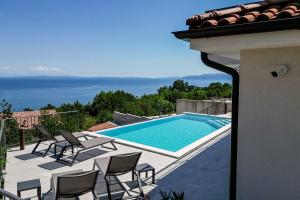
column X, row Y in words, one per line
column 221, row 122
column 225, row 121
column 215, row 123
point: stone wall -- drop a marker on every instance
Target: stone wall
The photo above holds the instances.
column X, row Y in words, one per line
column 198, row 106
column 123, row 119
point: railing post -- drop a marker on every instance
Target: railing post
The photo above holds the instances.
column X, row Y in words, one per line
column 22, row 139
column 78, row 121
column 2, row 150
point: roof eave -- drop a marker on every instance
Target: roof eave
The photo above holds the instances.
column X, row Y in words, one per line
column 238, row 29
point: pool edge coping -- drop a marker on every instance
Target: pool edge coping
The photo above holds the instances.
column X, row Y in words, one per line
column 178, row 154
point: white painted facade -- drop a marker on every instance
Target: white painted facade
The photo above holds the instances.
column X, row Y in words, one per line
column 231, row 46
column 268, row 165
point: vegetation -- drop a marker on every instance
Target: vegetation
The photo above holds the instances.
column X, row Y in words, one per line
column 171, row 195
column 101, row 108
column 163, row 102
column 27, row 109
column 5, row 113
column 48, row 107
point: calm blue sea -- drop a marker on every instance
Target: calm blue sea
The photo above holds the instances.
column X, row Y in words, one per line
column 35, row 92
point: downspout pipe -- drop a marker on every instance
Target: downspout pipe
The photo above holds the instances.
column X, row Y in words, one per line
column 234, row 118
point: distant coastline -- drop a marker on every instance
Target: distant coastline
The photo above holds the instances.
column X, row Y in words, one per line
column 37, row 91
column 209, row 76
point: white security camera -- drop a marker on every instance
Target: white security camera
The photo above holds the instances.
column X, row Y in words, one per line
column 281, row 71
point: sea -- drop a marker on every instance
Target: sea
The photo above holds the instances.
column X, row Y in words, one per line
column 38, row 91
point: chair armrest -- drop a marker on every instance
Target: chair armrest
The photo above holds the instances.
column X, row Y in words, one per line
column 139, row 182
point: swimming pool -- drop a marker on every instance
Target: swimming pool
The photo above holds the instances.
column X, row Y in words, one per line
column 171, row 135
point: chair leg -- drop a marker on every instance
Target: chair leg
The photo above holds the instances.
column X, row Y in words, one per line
column 60, row 154
column 108, row 188
column 139, row 183
column 132, row 175
column 114, row 146
column 153, row 176
column 39, row 192
column 36, row 146
column 48, row 149
column 94, row 166
column 94, row 195
column 72, row 162
column 55, row 150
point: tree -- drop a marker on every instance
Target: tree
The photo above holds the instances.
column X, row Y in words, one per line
column 197, row 94
column 27, row 109
column 88, row 122
column 180, row 85
column 48, row 107
column 104, row 103
column 163, row 106
column 71, row 107
column 111, row 101
column 6, row 110
column 218, row 90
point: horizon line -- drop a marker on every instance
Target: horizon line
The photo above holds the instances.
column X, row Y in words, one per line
column 74, row 76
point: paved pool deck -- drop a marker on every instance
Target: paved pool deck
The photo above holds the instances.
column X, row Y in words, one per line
column 202, row 174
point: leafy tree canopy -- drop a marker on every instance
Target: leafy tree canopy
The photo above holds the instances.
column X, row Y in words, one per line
column 103, row 105
column 101, row 108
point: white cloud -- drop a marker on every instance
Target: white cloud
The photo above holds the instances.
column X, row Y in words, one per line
column 31, row 71
column 8, row 68
column 46, row 69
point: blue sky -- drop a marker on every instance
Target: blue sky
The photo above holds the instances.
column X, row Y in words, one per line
column 99, row 38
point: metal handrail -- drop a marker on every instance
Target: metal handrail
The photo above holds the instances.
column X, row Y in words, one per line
column 4, row 144
column 3, row 193
column 8, row 195
column 47, row 114
column 2, row 128
column 206, row 110
column 25, row 124
column 220, row 100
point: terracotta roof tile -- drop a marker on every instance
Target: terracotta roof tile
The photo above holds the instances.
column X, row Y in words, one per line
column 103, row 126
column 248, row 13
column 248, row 17
column 209, row 23
column 289, row 11
column 27, row 119
column 270, row 13
column 231, row 19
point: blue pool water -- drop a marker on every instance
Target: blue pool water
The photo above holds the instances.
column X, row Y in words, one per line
column 171, row 134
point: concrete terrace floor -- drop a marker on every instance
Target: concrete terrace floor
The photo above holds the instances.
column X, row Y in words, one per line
column 203, row 174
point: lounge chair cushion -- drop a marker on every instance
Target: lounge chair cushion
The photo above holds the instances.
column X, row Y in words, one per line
column 95, row 142
column 60, row 138
column 54, row 178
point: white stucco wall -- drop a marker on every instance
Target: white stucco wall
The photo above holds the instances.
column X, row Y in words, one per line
column 269, row 126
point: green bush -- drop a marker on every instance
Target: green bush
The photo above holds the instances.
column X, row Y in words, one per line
column 171, row 195
column 163, row 102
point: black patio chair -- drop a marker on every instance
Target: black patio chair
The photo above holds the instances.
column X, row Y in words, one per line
column 73, row 184
column 113, row 166
column 82, row 145
column 53, row 139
